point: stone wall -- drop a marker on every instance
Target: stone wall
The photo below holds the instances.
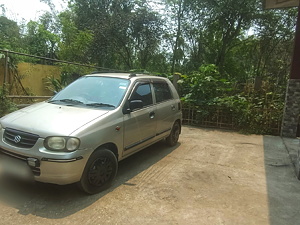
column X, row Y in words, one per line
column 292, row 109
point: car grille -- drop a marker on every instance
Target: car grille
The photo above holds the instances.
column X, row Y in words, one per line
column 19, row 138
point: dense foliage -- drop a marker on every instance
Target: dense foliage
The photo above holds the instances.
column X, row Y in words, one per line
column 250, row 109
column 7, row 106
column 231, row 53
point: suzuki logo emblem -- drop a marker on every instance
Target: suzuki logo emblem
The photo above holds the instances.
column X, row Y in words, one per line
column 17, row 139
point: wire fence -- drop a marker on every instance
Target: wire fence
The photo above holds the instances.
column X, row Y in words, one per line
column 225, row 118
column 213, row 117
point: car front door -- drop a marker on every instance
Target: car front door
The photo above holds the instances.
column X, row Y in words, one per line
column 140, row 124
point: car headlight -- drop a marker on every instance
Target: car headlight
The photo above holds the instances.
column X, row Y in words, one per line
column 67, row 144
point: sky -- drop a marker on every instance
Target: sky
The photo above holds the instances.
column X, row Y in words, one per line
column 27, row 10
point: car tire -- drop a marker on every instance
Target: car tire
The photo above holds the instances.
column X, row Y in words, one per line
column 99, row 172
column 172, row 139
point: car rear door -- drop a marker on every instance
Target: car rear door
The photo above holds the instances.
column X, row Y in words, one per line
column 165, row 107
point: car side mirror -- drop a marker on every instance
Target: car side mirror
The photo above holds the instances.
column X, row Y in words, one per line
column 135, row 104
column 132, row 106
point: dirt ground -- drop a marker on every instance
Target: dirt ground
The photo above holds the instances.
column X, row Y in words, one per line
column 210, row 177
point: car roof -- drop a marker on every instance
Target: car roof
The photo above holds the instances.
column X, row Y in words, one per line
column 126, row 75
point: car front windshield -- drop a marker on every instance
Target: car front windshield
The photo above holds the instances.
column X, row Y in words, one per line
column 93, row 91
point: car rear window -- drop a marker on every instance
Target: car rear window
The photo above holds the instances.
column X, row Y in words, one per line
column 162, row 92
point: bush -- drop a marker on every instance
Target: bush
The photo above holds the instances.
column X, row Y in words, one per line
column 6, row 106
column 248, row 110
column 201, row 87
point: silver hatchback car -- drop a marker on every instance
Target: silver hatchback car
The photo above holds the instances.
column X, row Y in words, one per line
column 81, row 133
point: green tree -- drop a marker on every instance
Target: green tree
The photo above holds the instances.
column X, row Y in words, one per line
column 41, row 37
column 146, row 35
column 178, row 9
column 9, row 34
column 74, row 44
column 126, row 33
column 222, row 25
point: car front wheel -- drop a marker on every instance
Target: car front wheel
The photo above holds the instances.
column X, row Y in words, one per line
column 99, row 172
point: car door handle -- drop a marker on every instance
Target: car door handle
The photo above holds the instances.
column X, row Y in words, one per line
column 152, row 115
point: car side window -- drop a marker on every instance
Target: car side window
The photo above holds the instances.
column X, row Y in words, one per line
column 143, row 93
column 162, row 92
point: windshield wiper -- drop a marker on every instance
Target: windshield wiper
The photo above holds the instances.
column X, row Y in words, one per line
column 100, row 105
column 73, row 101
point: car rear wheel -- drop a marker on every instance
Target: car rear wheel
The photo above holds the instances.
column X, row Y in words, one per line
column 99, row 172
column 172, row 139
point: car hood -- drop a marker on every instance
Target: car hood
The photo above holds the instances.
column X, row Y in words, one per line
column 46, row 119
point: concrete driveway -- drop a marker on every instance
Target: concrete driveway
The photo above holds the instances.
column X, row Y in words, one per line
column 210, row 177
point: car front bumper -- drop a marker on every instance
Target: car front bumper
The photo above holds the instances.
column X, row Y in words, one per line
column 48, row 169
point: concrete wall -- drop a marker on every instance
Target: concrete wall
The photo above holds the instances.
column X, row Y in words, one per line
column 33, row 77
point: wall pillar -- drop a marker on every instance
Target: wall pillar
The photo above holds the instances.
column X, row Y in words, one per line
column 175, row 80
column 292, row 100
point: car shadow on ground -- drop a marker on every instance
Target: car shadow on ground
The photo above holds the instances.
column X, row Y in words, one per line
column 54, row 201
column 283, row 188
